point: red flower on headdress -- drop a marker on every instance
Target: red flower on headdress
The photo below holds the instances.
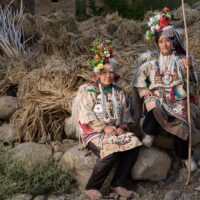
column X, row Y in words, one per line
column 165, row 10
column 164, row 21
column 96, row 57
column 111, row 53
column 106, row 60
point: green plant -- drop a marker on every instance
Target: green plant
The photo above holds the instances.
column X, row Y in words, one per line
column 30, row 178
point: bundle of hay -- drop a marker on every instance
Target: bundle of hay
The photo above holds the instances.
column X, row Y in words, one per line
column 45, row 94
column 192, row 16
column 47, row 85
column 128, row 32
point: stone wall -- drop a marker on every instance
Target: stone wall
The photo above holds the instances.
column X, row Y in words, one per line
column 50, row 6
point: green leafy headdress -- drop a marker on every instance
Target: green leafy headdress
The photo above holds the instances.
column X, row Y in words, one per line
column 103, row 53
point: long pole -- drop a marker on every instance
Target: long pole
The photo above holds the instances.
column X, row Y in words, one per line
column 188, row 99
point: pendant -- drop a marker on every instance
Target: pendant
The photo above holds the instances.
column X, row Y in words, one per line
column 167, row 78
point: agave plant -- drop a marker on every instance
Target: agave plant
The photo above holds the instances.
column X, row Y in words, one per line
column 12, row 41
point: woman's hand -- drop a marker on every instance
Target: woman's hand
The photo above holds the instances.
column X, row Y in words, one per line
column 109, row 130
column 187, row 62
column 148, row 93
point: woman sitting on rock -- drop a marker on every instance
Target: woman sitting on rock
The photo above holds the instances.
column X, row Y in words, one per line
column 161, row 84
column 103, row 117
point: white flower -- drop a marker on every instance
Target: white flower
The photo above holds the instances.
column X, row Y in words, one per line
column 108, row 55
column 149, row 24
column 157, row 27
column 96, row 70
column 151, row 19
column 158, row 17
column 153, row 29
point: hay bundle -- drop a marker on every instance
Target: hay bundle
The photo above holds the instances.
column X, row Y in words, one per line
column 92, row 27
column 75, row 45
column 15, row 70
column 128, row 32
column 114, row 17
column 67, row 44
column 46, row 95
column 192, row 16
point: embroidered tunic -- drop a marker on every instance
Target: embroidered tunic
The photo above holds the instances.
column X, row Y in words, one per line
column 93, row 119
column 168, row 86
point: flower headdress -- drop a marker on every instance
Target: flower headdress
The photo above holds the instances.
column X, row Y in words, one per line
column 157, row 23
column 103, row 54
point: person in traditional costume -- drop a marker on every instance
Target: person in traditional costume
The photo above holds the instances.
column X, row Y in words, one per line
column 103, row 118
column 161, row 84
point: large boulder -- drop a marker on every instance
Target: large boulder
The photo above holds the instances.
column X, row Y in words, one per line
column 8, row 105
column 152, row 164
column 36, row 153
column 7, row 133
column 77, row 159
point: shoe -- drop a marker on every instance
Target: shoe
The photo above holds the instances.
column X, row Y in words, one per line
column 193, row 164
column 123, row 192
column 148, row 140
column 93, row 194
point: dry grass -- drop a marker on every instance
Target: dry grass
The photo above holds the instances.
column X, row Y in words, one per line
column 45, row 94
column 47, row 85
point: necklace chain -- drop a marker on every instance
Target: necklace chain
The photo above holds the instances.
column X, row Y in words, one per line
column 166, row 61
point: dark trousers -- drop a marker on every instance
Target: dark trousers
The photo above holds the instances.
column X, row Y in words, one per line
column 126, row 161
column 151, row 126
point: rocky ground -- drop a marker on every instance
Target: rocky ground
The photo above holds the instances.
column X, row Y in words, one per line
column 170, row 188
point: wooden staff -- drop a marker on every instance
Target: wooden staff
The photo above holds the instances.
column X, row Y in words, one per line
column 188, row 99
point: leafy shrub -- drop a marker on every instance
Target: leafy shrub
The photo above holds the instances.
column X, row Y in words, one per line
column 29, row 178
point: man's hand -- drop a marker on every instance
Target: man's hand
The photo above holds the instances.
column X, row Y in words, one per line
column 187, row 62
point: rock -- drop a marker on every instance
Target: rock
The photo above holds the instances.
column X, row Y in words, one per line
column 141, row 190
column 68, row 144
column 82, row 197
column 184, row 197
column 7, row 133
column 172, row 195
column 182, row 175
column 55, row 146
column 21, row 197
column 8, row 105
column 152, row 165
column 83, row 163
column 76, row 159
column 40, row 197
column 35, row 152
column 197, row 188
column 60, row 197
column 57, row 156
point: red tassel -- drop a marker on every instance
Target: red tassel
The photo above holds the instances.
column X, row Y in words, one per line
column 172, row 95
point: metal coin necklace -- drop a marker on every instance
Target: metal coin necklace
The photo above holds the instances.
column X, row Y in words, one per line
column 166, row 63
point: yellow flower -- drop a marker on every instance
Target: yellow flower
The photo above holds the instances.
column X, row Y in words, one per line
column 100, row 66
